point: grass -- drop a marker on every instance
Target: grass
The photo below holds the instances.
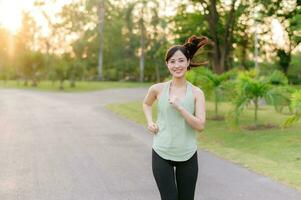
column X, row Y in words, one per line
column 81, row 86
column 272, row 152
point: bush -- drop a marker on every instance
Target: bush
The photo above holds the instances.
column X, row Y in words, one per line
column 277, row 78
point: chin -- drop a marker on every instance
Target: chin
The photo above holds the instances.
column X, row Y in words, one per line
column 178, row 75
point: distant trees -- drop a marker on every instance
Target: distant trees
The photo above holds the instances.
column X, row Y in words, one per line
column 28, row 61
column 289, row 15
column 232, row 24
column 4, row 53
column 127, row 40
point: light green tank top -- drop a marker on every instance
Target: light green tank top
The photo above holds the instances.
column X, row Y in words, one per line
column 176, row 139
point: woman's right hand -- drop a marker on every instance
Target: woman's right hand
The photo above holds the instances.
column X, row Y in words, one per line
column 152, row 127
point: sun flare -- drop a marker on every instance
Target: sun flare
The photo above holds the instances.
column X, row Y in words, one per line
column 10, row 15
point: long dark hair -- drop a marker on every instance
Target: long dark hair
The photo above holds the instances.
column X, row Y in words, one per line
column 189, row 49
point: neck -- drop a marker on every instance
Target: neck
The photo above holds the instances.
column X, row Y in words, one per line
column 178, row 82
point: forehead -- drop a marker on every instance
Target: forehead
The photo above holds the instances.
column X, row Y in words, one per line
column 177, row 55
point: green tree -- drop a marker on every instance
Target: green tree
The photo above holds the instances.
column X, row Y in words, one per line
column 27, row 60
column 4, row 53
column 282, row 97
column 250, row 89
column 156, row 46
column 221, row 22
column 281, row 91
column 293, row 17
column 53, row 42
column 212, row 83
column 60, row 69
column 141, row 12
column 86, row 46
column 289, row 15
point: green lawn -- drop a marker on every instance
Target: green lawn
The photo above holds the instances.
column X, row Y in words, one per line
column 80, row 86
column 275, row 152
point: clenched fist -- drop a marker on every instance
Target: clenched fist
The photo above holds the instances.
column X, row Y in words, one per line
column 174, row 101
column 153, row 127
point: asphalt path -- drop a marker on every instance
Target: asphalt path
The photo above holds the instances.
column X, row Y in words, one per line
column 68, row 146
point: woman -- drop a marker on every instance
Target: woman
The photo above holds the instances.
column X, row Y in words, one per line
column 181, row 112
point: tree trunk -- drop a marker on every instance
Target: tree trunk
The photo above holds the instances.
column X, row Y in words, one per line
column 244, row 53
column 212, row 19
column 142, row 41
column 101, row 16
column 256, row 109
column 72, row 80
column 34, row 82
column 216, row 102
column 222, row 48
column 228, row 37
column 26, row 82
column 62, row 84
column 284, row 60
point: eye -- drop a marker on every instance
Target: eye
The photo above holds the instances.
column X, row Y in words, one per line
column 182, row 60
column 172, row 62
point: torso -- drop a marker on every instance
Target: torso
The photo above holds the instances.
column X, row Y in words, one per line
column 176, row 139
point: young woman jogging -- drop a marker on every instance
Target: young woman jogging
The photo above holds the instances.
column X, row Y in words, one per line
column 181, row 114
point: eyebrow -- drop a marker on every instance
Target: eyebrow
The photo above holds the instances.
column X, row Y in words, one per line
column 175, row 59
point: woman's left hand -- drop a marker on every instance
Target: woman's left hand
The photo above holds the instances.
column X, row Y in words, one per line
column 175, row 102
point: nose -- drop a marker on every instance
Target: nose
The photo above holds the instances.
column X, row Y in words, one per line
column 177, row 64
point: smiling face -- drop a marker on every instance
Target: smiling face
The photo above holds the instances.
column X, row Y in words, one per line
column 177, row 64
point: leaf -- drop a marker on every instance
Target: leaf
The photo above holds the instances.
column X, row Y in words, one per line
column 290, row 121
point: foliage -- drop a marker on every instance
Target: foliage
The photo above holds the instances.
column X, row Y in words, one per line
column 212, row 83
column 294, row 72
column 271, row 151
column 281, row 97
column 74, row 30
column 277, row 78
column 60, row 70
column 296, row 106
column 250, row 89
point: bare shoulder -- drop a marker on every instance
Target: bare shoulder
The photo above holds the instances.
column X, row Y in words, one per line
column 197, row 92
column 157, row 88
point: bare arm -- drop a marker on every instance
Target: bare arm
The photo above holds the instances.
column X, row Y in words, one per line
column 148, row 101
column 197, row 121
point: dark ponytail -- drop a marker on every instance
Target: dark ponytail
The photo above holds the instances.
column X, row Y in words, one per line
column 192, row 45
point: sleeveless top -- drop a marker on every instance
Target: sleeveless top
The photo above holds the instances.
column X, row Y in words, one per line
column 176, row 139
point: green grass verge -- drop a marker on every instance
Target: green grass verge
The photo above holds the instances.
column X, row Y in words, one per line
column 275, row 152
column 81, row 86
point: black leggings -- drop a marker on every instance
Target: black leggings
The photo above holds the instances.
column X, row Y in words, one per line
column 178, row 183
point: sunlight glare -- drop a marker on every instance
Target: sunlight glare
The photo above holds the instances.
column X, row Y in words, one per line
column 278, row 33
column 10, row 15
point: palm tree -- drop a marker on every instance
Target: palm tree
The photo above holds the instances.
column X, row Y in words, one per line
column 296, row 106
column 282, row 98
column 281, row 91
column 251, row 90
column 212, row 83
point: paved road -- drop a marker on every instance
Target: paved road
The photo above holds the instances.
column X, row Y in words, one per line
column 62, row 146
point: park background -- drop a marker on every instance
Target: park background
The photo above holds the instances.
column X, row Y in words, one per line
column 251, row 82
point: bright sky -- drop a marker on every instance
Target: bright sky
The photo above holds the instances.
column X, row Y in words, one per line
column 11, row 12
